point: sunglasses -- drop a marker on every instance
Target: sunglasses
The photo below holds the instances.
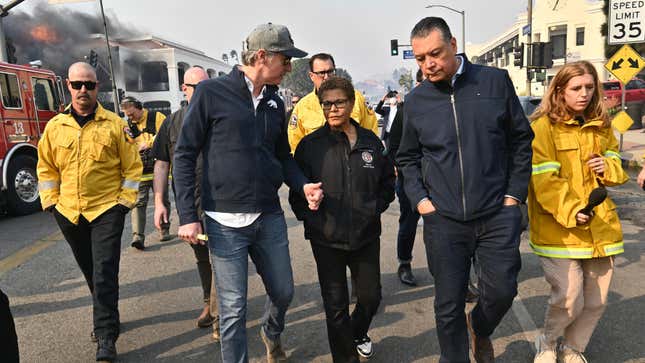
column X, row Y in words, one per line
column 89, row 85
column 190, row 85
column 285, row 62
column 329, row 72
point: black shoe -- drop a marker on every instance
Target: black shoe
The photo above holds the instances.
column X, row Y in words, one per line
column 405, row 275
column 106, row 350
column 138, row 244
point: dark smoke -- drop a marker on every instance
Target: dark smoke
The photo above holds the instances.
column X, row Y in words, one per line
column 59, row 36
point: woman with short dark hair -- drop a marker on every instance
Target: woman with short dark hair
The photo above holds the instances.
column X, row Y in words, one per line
column 345, row 230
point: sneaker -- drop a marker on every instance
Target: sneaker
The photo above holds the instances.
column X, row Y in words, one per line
column 105, row 350
column 275, row 354
column 364, row 347
column 570, row 355
column 482, row 347
column 544, row 354
column 164, row 235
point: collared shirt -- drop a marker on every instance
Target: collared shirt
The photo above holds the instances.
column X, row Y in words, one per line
column 82, row 120
column 239, row 220
column 390, row 118
column 460, row 70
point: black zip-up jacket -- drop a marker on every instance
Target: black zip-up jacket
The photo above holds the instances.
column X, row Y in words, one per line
column 246, row 152
column 466, row 147
column 358, row 184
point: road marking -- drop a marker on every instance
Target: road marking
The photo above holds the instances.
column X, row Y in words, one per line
column 23, row 255
column 526, row 322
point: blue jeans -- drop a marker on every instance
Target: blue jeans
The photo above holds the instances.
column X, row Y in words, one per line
column 407, row 224
column 265, row 240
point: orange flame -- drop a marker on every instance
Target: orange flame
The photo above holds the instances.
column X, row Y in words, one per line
column 44, row 34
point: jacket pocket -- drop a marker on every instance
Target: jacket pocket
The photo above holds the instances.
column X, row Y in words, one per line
column 100, row 147
column 64, row 150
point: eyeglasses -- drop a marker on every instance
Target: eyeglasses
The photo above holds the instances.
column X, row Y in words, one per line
column 190, row 85
column 285, row 62
column 340, row 104
column 329, row 72
column 89, row 85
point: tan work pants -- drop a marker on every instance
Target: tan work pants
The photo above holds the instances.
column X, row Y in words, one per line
column 578, row 298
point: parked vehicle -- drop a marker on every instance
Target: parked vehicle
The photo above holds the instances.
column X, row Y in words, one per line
column 634, row 98
column 529, row 104
column 29, row 98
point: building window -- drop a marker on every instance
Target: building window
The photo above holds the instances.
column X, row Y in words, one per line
column 146, row 77
column 559, row 45
column 580, row 36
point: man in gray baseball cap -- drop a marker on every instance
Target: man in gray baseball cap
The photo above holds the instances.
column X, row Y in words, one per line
column 246, row 158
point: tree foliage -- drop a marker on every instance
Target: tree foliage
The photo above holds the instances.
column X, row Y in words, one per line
column 298, row 79
column 406, row 81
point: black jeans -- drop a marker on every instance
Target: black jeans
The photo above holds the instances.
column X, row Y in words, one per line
column 202, row 256
column 450, row 245
column 8, row 338
column 97, row 249
column 408, row 220
column 364, row 264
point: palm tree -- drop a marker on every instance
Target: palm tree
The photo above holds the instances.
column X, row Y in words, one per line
column 225, row 57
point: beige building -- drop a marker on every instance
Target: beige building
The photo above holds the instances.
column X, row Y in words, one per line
column 572, row 27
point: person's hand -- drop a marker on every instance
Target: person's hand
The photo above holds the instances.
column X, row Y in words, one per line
column 143, row 146
column 582, row 218
column 597, row 164
column 508, row 201
column 188, row 232
column 314, row 194
column 641, row 178
column 161, row 215
column 426, row 207
column 398, row 98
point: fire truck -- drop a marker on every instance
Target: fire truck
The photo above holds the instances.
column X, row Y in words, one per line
column 29, row 98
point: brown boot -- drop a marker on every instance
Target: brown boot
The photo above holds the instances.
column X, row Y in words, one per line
column 482, row 347
column 216, row 334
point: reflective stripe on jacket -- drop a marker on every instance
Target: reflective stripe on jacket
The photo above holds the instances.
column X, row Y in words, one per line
column 560, row 186
column 308, row 117
column 86, row 171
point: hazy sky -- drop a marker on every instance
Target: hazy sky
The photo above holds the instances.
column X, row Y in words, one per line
column 356, row 32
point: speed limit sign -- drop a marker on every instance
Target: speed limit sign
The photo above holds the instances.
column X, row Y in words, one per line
column 626, row 21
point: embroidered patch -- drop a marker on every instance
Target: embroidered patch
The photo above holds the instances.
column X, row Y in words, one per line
column 367, row 157
column 272, row 104
column 293, row 122
column 127, row 131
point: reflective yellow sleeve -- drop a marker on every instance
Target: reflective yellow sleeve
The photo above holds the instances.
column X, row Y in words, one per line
column 48, row 173
column 552, row 192
column 295, row 131
column 614, row 173
column 131, row 169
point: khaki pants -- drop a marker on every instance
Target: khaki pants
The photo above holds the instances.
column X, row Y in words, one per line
column 139, row 211
column 578, row 298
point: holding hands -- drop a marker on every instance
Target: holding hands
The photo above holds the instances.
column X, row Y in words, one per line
column 314, row 194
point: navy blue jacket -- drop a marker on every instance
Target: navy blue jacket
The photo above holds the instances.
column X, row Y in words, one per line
column 466, row 147
column 246, row 151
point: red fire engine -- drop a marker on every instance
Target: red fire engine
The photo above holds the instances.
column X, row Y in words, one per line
column 29, row 97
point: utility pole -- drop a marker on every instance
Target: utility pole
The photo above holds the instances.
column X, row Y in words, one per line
column 529, row 55
column 115, row 93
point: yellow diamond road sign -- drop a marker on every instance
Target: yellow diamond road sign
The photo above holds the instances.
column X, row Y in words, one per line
column 625, row 64
column 622, row 122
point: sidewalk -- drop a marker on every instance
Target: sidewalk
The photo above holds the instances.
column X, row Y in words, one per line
column 633, row 148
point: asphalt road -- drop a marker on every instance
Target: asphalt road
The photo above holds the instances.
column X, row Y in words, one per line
column 160, row 298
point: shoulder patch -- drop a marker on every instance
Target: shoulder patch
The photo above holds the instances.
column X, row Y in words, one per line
column 293, row 122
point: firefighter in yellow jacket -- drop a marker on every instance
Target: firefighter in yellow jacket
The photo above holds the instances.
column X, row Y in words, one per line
column 143, row 125
column 308, row 116
column 574, row 152
column 88, row 178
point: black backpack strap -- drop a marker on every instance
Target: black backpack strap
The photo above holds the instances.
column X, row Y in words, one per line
column 151, row 123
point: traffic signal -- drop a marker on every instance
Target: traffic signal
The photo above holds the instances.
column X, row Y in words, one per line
column 518, row 56
column 542, row 55
column 394, row 47
column 93, row 59
column 120, row 94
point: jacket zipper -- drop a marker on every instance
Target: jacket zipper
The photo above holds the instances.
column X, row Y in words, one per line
column 461, row 158
column 349, row 183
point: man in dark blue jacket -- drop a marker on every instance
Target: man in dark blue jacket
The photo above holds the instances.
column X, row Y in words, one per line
column 237, row 122
column 466, row 158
